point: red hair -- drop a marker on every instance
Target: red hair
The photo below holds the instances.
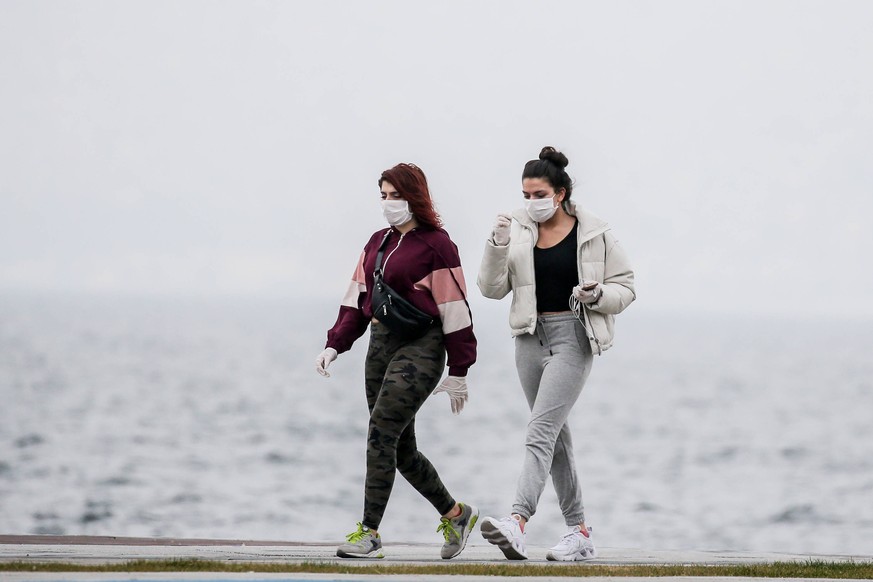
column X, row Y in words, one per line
column 412, row 185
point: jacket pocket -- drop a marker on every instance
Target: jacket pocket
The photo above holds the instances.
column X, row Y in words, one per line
column 523, row 311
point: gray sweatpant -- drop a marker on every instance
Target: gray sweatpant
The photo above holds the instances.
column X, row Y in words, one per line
column 552, row 367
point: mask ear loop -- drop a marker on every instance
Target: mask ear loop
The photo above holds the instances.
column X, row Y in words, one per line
column 564, row 204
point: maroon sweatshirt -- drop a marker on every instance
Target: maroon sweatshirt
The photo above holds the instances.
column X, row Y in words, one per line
column 419, row 266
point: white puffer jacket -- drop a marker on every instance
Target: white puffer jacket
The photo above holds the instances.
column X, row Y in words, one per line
column 599, row 258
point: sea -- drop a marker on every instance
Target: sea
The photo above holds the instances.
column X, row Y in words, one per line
column 205, row 418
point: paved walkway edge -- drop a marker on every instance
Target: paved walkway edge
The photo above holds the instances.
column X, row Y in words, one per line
column 110, row 549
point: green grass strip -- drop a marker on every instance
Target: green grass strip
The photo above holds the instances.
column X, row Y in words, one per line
column 805, row 569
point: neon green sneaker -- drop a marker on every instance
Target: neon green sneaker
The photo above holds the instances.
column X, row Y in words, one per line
column 361, row 543
column 457, row 530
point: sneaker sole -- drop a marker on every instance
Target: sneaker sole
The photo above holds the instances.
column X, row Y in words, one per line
column 493, row 535
column 373, row 554
column 570, row 557
column 465, row 535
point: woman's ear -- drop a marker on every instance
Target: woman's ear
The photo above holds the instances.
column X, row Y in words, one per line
column 560, row 194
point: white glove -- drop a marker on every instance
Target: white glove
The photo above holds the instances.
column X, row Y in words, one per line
column 588, row 292
column 500, row 234
column 323, row 361
column 457, row 390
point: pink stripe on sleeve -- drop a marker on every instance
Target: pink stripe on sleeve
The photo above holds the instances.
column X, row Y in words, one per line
column 443, row 287
column 359, row 276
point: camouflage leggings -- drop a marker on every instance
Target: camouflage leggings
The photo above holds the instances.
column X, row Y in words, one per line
column 400, row 375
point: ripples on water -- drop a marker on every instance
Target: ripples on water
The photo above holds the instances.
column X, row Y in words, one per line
column 206, row 419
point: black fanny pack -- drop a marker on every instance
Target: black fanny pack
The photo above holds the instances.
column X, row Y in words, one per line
column 396, row 313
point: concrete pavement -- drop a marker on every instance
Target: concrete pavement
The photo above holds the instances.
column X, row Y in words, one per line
column 108, row 550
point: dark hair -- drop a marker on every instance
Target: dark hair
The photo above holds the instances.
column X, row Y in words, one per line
column 411, row 183
column 551, row 167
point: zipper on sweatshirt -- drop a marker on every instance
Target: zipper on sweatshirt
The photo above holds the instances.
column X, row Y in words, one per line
column 385, row 262
column 382, row 269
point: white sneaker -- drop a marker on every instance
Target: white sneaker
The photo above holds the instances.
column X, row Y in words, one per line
column 506, row 534
column 574, row 546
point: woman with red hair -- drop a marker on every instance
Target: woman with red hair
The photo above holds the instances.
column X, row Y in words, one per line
column 416, row 263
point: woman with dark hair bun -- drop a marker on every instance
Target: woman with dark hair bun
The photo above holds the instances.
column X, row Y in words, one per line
column 415, row 266
column 569, row 278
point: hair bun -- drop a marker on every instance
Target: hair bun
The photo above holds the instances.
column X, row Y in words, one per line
column 554, row 156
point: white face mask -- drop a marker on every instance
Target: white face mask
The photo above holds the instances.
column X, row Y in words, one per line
column 396, row 212
column 540, row 209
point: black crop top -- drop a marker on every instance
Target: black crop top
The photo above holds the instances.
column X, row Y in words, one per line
column 555, row 274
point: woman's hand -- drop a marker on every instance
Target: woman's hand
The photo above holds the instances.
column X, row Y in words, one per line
column 323, row 361
column 500, row 233
column 456, row 387
column 588, row 292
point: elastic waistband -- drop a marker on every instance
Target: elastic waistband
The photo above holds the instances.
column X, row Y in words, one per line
column 555, row 317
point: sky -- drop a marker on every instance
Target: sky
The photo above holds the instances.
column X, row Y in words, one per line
column 209, row 148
